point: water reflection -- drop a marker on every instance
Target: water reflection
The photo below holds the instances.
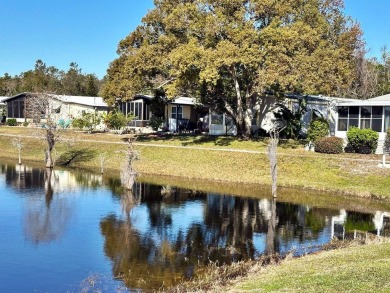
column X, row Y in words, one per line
column 170, row 232
column 157, row 235
column 45, row 219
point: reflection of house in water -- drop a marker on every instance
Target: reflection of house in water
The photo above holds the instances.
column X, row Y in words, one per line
column 382, row 223
column 22, row 178
column 337, row 228
column 354, row 223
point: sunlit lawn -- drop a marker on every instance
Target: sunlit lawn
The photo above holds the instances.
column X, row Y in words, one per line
column 357, row 269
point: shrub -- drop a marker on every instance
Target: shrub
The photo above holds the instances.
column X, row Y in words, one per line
column 155, row 122
column 329, row 145
column 318, row 129
column 117, row 120
column 78, row 123
column 25, row 123
column 11, row 122
column 88, row 120
column 362, row 140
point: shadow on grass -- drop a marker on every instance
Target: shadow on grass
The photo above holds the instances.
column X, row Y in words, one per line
column 187, row 139
column 216, row 140
column 191, row 139
column 292, row 144
column 74, row 156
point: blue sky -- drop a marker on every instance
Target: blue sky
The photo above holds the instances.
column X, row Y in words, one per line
column 87, row 32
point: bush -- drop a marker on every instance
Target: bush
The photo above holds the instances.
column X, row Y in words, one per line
column 25, row 123
column 329, row 145
column 11, row 122
column 363, row 141
column 89, row 121
column 78, row 123
column 117, row 120
column 318, row 129
column 155, row 122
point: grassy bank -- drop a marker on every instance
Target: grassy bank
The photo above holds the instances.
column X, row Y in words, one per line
column 352, row 268
column 222, row 159
column 357, row 269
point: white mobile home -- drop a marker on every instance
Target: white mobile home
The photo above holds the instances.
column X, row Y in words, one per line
column 65, row 107
column 372, row 113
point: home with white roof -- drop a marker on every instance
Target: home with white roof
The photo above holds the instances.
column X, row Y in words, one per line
column 371, row 113
column 65, row 107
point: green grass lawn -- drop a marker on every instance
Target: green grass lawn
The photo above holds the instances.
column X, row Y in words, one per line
column 356, row 269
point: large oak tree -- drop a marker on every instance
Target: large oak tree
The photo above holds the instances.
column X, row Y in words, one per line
column 229, row 52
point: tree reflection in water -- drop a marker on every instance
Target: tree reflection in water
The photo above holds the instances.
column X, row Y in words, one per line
column 46, row 216
column 46, row 220
column 270, row 239
column 176, row 241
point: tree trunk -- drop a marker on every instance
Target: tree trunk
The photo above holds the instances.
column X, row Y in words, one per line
column 272, row 149
column 48, row 159
column 50, row 145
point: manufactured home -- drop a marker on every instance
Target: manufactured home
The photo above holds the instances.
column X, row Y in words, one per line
column 65, row 107
column 371, row 113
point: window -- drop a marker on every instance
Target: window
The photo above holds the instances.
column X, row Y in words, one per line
column 216, row 119
column 363, row 117
column 343, row 119
column 135, row 108
column 387, row 118
column 365, row 114
column 177, row 112
column 146, row 112
column 15, row 108
column 377, row 114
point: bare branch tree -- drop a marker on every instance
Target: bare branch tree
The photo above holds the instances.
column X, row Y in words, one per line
column 42, row 108
column 365, row 85
column 102, row 160
column 17, row 142
column 276, row 128
column 128, row 173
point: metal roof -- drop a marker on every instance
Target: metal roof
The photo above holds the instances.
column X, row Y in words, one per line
column 80, row 100
column 381, row 98
column 320, row 98
column 183, row 101
column 377, row 101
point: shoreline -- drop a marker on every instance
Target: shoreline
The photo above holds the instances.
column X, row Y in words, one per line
column 342, row 175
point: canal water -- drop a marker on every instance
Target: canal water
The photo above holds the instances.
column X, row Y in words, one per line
column 73, row 231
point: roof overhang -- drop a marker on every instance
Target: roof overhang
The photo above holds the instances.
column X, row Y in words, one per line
column 183, row 101
column 364, row 103
column 80, row 100
column 2, row 101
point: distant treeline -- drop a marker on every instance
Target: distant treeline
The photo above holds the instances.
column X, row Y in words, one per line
column 45, row 78
column 372, row 76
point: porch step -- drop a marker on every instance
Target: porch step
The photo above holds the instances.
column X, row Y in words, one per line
column 379, row 148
